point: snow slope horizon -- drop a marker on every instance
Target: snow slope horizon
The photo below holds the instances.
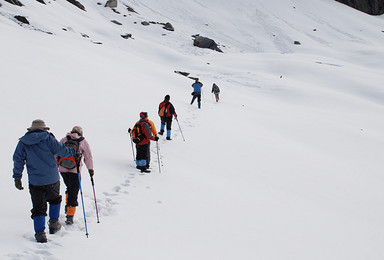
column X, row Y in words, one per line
column 303, row 180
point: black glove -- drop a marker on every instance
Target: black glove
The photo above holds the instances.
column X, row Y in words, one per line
column 129, row 130
column 156, row 138
column 18, row 185
column 91, row 172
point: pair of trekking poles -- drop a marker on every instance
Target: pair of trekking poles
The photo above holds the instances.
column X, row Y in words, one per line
column 157, row 146
column 82, row 201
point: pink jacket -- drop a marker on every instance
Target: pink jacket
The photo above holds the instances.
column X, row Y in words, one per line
column 85, row 150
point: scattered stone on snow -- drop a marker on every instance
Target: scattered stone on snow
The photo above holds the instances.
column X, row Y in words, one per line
column 205, row 42
column 21, row 19
column 116, row 22
column 111, row 3
column 14, row 2
column 145, row 23
column 41, row 1
column 127, row 35
column 77, row 4
column 296, row 43
column 168, row 27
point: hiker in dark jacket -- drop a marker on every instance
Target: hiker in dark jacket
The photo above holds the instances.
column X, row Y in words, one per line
column 142, row 147
column 197, row 92
column 37, row 149
column 216, row 91
column 166, row 113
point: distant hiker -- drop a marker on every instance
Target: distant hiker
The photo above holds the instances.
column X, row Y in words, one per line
column 37, row 149
column 141, row 136
column 166, row 113
column 70, row 172
column 197, row 92
column 216, row 91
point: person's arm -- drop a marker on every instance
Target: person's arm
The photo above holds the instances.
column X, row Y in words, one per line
column 19, row 158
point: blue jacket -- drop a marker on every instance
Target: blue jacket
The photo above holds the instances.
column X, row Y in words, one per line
column 197, row 87
column 37, row 149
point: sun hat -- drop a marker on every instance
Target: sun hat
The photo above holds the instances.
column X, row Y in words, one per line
column 38, row 124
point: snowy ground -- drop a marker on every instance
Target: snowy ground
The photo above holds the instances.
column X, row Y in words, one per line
column 288, row 165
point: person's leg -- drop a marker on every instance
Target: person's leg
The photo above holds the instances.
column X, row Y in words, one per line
column 39, row 211
column 54, row 199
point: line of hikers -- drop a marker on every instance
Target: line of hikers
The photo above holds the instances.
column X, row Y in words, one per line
column 45, row 157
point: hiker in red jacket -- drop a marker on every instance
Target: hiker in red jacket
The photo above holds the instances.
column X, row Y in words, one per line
column 166, row 113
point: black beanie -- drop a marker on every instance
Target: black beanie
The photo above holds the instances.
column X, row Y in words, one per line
column 167, row 97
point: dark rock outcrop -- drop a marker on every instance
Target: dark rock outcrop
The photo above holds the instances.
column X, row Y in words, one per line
column 77, row 4
column 41, row 1
column 21, row 19
column 116, row 22
column 14, row 2
column 127, row 35
column 111, row 3
column 373, row 7
column 204, row 42
column 168, row 27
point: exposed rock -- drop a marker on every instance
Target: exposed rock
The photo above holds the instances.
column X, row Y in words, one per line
column 373, row 7
column 168, row 27
column 126, row 36
column 111, row 3
column 297, row 43
column 185, row 74
column 77, row 4
column 116, row 22
column 204, row 42
column 21, row 19
column 14, row 2
column 145, row 23
column 41, row 1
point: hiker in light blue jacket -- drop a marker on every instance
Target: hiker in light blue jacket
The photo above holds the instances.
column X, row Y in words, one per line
column 197, row 92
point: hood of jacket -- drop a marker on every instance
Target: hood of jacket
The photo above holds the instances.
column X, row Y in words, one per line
column 35, row 136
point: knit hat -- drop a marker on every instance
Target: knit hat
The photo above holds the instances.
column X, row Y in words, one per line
column 38, row 124
column 77, row 129
column 143, row 115
column 167, row 97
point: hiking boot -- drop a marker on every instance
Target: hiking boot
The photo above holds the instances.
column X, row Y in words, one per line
column 161, row 132
column 168, row 138
column 69, row 220
column 54, row 226
column 144, row 169
column 41, row 237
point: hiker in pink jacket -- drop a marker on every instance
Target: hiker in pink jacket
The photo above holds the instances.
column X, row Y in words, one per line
column 70, row 176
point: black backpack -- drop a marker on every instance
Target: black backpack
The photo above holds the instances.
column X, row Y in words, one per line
column 72, row 162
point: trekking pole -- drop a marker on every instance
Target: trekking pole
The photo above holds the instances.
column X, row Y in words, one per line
column 133, row 151
column 94, row 195
column 180, row 128
column 82, row 201
column 158, row 155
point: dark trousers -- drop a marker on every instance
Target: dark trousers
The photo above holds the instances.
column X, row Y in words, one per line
column 167, row 121
column 40, row 195
column 142, row 152
column 198, row 96
column 71, row 180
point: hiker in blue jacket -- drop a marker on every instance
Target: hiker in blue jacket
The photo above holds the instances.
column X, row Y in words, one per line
column 197, row 92
column 37, row 149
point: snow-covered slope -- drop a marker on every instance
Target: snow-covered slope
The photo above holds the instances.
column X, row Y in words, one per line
column 288, row 165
